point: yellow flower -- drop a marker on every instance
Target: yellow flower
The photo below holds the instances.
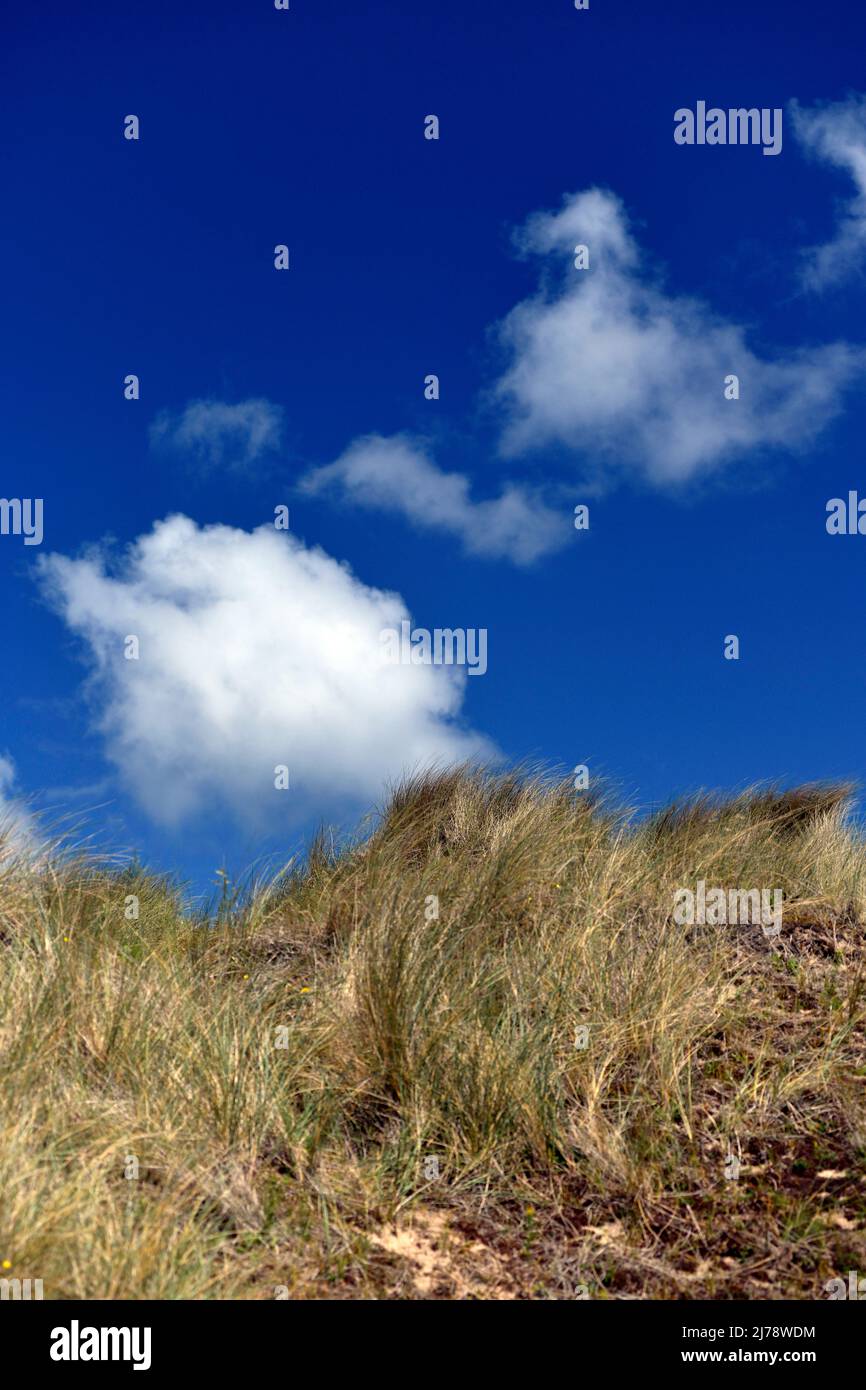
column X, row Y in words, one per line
column 306, row 989
column 7, row 1264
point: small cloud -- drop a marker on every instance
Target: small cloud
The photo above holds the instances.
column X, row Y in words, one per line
column 221, row 436
column 18, row 836
column 397, row 475
column 836, row 133
column 607, row 364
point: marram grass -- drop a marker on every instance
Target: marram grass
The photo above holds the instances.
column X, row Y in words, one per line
column 472, row 1056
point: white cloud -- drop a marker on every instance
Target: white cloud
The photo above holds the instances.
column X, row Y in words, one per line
column 17, row 825
column 606, row 363
column 836, row 134
column 254, row 651
column 219, row 435
column 396, row 474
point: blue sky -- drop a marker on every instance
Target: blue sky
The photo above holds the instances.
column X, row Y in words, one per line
column 306, row 128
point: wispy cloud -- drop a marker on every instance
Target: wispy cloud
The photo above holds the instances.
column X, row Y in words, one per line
column 219, row 435
column 603, row 363
column 607, row 364
column 396, row 474
column 254, row 652
column 835, row 132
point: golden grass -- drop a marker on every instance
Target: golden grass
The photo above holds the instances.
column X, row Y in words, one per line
column 228, row 1109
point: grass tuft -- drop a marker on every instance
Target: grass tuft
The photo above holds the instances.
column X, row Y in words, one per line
column 471, row 1055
